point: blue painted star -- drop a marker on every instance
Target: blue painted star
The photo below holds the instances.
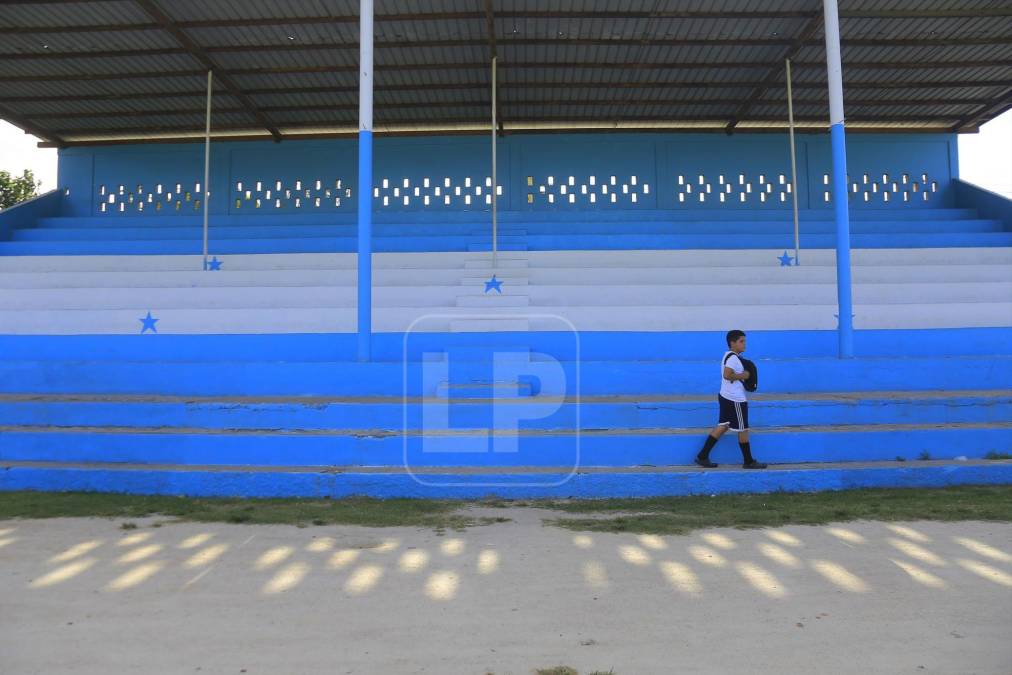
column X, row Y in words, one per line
column 213, row 265
column 785, row 260
column 493, row 283
column 148, row 322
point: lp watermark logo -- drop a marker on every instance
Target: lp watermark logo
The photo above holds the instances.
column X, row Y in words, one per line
column 490, row 401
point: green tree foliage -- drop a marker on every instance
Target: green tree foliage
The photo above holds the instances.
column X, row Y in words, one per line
column 15, row 189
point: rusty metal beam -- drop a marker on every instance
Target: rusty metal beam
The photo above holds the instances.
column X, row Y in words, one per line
column 289, row 46
column 198, row 52
column 996, row 12
column 810, row 29
column 481, row 102
column 997, row 104
column 30, row 128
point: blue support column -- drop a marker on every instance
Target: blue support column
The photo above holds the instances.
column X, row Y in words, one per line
column 365, row 182
column 838, row 140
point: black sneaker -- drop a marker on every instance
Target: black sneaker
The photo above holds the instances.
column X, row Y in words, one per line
column 753, row 465
column 705, row 463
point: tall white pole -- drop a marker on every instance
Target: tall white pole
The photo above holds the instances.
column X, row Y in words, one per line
column 365, row 87
column 838, row 145
column 207, row 161
column 794, row 166
column 495, row 184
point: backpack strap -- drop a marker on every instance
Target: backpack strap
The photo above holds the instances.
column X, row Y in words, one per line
column 729, row 355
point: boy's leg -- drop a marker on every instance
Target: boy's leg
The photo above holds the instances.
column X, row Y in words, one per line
column 748, row 461
column 703, row 458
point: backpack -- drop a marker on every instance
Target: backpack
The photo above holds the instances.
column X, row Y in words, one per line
column 752, row 383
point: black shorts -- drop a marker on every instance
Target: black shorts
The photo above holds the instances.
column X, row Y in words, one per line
column 734, row 414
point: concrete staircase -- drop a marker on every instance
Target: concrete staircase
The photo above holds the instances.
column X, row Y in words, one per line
column 660, row 230
column 592, row 373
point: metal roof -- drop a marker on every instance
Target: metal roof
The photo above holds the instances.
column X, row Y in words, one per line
column 111, row 70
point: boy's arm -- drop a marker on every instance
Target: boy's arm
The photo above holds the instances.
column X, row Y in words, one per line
column 731, row 375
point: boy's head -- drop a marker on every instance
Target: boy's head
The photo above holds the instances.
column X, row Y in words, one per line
column 736, row 341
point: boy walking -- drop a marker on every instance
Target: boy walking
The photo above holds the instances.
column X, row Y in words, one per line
column 733, row 405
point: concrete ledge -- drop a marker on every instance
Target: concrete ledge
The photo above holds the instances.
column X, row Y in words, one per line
column 469, row 483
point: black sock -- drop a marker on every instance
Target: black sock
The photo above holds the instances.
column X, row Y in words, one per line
column 746, row 451
column 704, row 454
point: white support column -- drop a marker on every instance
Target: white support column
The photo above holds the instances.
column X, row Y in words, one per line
column 365, row 86
column 838, row 143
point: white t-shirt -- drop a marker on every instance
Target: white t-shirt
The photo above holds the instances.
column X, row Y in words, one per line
column 732, row 390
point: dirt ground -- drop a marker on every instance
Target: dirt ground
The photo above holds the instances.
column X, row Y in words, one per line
column 85, row 596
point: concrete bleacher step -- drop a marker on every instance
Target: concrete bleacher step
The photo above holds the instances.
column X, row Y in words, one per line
column 473, row 295
column 510, row 218
column 477, row 482
column 477, row 409
column 420, row 231
column 262, row 377
column 532, row 242
column 639, row 259
column 462, row 447
column 341, row 318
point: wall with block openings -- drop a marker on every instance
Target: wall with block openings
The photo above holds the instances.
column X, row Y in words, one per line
column 558, row 172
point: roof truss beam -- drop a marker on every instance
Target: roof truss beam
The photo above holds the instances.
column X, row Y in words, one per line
column 191, row 48
column 996, row 12
column 197, row 52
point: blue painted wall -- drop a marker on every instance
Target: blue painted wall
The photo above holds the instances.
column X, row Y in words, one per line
column 988, row 204
column 557, row 172
column 28, row 213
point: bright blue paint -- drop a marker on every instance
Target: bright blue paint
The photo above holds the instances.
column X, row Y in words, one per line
column 495, row 284
column 27, row 213
column 595, row 345
column 785, row 260
column 639, row 413
column 364, row 248
column 596, row 377
column 534, row 242
column 518, row 219
column 595, row 485
column 656, row 160
column 616, row 448
column 985, row 202
column 214, row 265
column 840, row 205
column 148, row 323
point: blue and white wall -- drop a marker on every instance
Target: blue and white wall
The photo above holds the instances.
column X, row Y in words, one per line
column 588, row 172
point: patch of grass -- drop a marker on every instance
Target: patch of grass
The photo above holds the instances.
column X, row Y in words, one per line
column 128, row 526
column 363, row 511
column 680, row 515
column 557, row 670
column 998, row 455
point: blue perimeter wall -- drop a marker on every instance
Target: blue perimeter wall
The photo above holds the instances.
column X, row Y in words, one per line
column 628, row 171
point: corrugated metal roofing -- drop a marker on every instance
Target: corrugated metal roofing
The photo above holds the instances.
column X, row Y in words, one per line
column 70, row 71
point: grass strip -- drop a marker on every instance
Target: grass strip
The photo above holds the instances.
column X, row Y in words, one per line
column 680, row 515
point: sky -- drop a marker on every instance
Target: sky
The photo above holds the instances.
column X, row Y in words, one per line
column 985, row 158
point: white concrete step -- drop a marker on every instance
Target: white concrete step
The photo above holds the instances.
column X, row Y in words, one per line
column 396, row 319
column 542, row 276
column 534, row 259
column 501, row 264
column 483, row 325
column 493, row 300
column 513, row 295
